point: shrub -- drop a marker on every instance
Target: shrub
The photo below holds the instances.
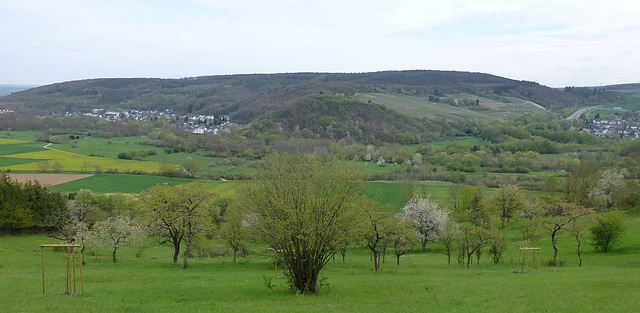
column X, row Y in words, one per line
column 521, row 169
column 607, row 231
column 125, row 156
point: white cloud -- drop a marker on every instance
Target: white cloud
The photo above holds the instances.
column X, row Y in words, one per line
column 553, row 42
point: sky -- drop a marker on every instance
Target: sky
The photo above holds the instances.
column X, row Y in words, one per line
column 555, row 43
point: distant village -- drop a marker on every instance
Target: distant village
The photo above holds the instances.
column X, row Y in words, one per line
column 196, row 124
column 614, row 127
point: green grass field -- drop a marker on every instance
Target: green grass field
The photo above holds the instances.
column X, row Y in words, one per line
column 422, row 283
column 9, row 149
column 123, row 183
column 119, row 183
column 11, row 162
column 391, row 193
column 21, row 135
column 462, row 142
column 107, row 147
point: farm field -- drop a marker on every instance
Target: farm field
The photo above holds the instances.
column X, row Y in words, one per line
column 607, row 282
column 48, row 179
column 77, row 163
column 22, row 155
column 391, row 193
column 463, row 142
column 127, row 183
column 21, row 135
column 119, row 183
column 421, row 107
column 5, row 141
column 383, row 192
column 110, row 148
column 19, row 148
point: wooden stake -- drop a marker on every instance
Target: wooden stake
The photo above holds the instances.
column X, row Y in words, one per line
column 70, row 254
column 68, row 286
column 73, row 255
column 81, row 280
column 42, row 249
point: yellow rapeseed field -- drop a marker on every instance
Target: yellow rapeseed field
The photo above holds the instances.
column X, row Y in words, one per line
column 5, row 141
column 72, row 162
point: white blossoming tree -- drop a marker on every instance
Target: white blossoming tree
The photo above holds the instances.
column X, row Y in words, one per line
column 428, row 219
column 609, row 185
column 113, row 232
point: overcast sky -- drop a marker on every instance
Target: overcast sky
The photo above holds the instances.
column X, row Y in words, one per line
column 556, row 43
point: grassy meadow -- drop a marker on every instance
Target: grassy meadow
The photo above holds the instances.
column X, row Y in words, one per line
column 422, row 282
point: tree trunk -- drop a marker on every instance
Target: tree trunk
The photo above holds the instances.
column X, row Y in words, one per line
column 187, row 249
column 579, row 250
column 384, row 254
column 424, row 245
column 398, row 259
column 554, row 242
column 176, row 250
column 304, row 276
column 235, row 254
column 115, row 248
column 376, row 259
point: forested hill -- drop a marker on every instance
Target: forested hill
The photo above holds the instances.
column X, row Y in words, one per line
column 247, row 97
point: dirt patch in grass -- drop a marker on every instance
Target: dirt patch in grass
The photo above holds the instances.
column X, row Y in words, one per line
column 48, row 179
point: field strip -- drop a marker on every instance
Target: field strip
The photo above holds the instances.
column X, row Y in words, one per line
column 5, row 141
column 48, row 179
column 535, row 104
column 45, row 155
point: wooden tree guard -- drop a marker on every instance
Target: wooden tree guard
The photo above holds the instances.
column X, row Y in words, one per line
column 526, row 256
column 71, row 264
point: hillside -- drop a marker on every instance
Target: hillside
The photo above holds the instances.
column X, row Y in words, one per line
column 407, row 106
column 247, row 97
column 627, row 88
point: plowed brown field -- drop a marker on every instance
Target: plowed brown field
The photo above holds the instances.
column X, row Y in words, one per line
column 48, row 179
